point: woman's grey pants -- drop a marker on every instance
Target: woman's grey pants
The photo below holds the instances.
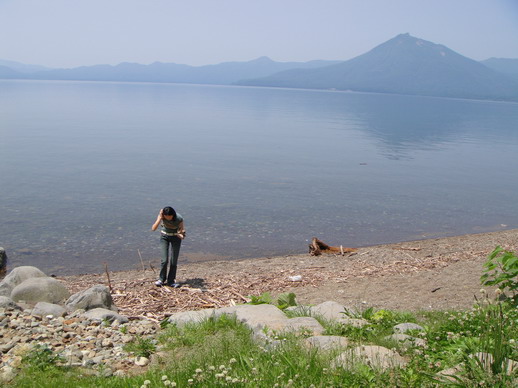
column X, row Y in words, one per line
column 175, row 242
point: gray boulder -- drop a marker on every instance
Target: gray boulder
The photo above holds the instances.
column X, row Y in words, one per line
column 405, row 327
column 40, row 289
column 17, row 276
column 43, row 309
column 327, row 342
column 3, row 262
column 8, row 303
column 375, row 356
column 184, row 317
column 101, row 314
column 257, row 317
column 304, row 324
column 406, row 341
column 95, row 297
column 331, row 311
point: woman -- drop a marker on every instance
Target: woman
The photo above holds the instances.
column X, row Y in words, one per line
column 172, row 233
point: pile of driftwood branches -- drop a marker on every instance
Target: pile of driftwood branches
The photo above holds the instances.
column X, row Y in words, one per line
column 140, row 298
column 136, row 296
column 318, row 247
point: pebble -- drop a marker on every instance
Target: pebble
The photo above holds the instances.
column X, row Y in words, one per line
column 79, row 342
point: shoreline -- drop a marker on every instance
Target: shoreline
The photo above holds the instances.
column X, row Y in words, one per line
column 429, row 274
column 188, row 258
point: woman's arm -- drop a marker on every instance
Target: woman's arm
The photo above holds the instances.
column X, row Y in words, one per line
column 181, row 230
column 158, row 220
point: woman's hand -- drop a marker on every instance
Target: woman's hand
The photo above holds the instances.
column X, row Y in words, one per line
column 158, row 220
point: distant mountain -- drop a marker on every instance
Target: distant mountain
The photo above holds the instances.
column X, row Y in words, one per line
column 224, row 73
column 7, row 72
column 507, row 66
column 403, row 65
column 22, row 67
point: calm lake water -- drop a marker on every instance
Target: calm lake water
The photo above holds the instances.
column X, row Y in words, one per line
column 85, row 168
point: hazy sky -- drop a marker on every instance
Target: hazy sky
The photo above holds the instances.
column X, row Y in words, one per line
column 70, row 33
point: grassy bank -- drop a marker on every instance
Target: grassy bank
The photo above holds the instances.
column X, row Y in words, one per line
column 220, row 352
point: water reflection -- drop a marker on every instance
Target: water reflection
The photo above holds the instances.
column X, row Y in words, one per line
column 86, row 166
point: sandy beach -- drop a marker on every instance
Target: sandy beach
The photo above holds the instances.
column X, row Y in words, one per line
column 434, row 274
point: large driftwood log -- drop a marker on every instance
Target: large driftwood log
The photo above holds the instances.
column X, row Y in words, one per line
column 317, row 247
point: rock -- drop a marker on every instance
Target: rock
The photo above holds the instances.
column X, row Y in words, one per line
column 40, row 289
column 107, row 343
column 8, row 303
column 95, row 297
column 404, row 327
column 257, row 316
column 44, row 309
column 354, row 322
column 3, row 262
column 17, row 276
column 406, row 341
column 141, row 361
column 331, row 311
column 7, row 373
column 327, row 342
column 181, row 318
column 305, row 324
column 372, row 355
column 100, row 314
column 450, row 373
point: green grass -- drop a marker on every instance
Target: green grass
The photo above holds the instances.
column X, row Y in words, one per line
column 220, row 352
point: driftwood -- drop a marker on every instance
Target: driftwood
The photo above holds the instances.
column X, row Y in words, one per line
column 108, row 276
column 136, row 295
column 317, row 247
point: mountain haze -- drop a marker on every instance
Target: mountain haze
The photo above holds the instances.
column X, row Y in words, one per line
column 508, row 66
column 403, row 65
column 8, row 72
column 21, row 67
column 223, row 74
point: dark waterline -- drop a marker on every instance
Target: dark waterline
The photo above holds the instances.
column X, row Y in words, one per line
column 85, row 167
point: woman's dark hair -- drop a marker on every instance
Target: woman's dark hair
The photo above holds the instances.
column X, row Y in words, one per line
column 169, row 211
